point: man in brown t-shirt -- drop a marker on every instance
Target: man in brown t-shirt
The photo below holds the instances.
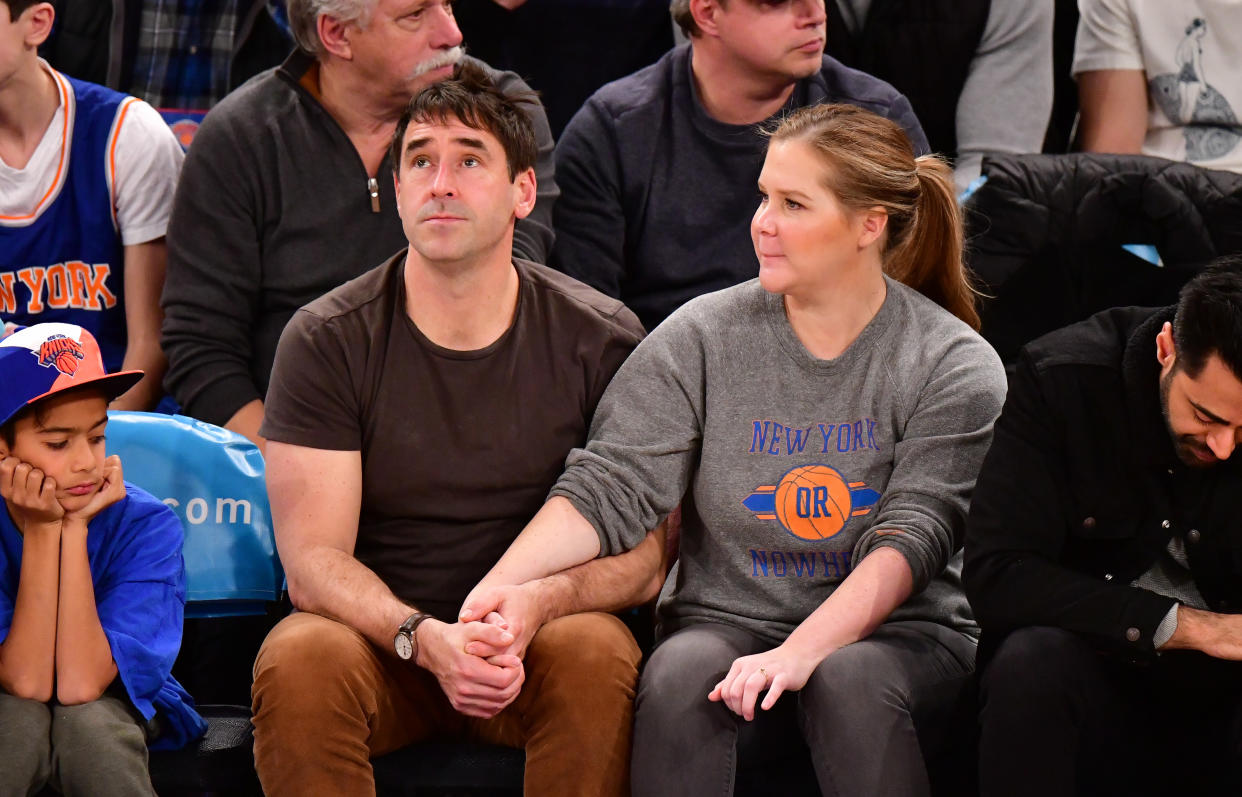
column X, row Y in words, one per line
column 416, row 419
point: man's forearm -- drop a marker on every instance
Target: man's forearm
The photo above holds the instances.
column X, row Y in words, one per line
column 1217, row 635
column 606, row 585
column 146, row 356
column 145, row 265
column 246, row 422
column 1012, row 588
column 334, row 584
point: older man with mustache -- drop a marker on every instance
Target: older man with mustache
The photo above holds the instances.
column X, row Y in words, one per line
column 288, row 193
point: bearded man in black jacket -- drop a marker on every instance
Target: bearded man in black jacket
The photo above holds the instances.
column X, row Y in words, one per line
column 1104, row 555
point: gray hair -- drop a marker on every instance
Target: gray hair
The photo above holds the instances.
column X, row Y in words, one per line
column 304, row 19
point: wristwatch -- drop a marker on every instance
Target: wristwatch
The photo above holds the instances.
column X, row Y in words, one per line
column 405, row 643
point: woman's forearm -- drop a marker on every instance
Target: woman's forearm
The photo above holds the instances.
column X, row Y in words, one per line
column 879, row 584
column 557, row 538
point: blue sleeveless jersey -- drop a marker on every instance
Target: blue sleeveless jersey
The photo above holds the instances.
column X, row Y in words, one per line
column 64, row 261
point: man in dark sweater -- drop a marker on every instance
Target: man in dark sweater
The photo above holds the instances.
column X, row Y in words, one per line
column 1104, row 555
column 288, row 193
column 658, row 170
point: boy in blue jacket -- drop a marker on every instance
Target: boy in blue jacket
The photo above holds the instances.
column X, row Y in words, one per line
column 92, row 583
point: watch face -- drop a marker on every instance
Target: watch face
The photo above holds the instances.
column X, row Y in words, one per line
column 404, row 649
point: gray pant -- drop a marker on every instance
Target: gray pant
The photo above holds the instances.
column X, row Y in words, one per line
column 97, row 748
column 862, row 713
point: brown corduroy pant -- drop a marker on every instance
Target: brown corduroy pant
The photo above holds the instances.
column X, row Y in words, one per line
column 326, row 701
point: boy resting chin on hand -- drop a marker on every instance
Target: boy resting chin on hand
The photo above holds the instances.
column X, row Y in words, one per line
column 92, row 584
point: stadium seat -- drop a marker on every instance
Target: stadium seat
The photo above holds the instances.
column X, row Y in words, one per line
column 450, row 768
column 213, row 480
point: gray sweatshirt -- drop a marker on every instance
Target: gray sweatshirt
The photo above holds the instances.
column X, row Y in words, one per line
column 792, row 468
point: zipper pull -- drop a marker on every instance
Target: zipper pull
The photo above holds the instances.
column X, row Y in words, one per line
column 373, row 187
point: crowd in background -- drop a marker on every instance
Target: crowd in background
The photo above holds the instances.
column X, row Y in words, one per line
column 183, row 179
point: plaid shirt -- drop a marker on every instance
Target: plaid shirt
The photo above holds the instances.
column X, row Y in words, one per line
column 184, row 51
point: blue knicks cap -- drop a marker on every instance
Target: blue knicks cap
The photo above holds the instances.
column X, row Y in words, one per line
column 43, row 359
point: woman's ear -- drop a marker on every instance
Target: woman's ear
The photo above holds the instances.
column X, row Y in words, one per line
column 874, row 223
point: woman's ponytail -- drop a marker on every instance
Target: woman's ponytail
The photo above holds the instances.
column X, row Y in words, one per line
column 929, row 259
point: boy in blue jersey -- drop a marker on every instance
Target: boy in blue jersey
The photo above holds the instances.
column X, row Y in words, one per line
column 86, row 183
column 92, row 583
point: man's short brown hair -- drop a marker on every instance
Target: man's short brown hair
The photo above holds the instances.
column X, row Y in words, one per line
column 471, row 97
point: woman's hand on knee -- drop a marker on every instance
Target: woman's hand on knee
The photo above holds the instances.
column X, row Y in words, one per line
column 779, row 670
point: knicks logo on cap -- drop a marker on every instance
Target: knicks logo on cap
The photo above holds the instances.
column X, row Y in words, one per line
column 62, row 353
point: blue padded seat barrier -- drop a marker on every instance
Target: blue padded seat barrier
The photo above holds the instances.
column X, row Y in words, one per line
column 213, row 480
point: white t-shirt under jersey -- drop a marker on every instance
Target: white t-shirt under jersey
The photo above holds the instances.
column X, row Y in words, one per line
column 148, row 161
column 1191, row 52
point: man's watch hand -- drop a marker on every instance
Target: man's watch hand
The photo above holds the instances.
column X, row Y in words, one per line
column 474, row 686
column 406, row 640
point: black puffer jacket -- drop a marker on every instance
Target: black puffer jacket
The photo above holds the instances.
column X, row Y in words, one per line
column 1046, row 231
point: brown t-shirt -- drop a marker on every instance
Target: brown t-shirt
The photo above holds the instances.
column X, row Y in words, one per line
column 459, row 448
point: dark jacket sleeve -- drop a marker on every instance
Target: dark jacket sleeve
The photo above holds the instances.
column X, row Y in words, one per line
column 212, row 290
column 903, row 114
column 1019, row 526
column 590, row 218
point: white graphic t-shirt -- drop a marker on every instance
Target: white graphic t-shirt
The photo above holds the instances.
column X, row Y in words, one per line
column 1191, row 52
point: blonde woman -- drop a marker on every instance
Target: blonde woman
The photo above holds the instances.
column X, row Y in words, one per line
column 822, row 427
